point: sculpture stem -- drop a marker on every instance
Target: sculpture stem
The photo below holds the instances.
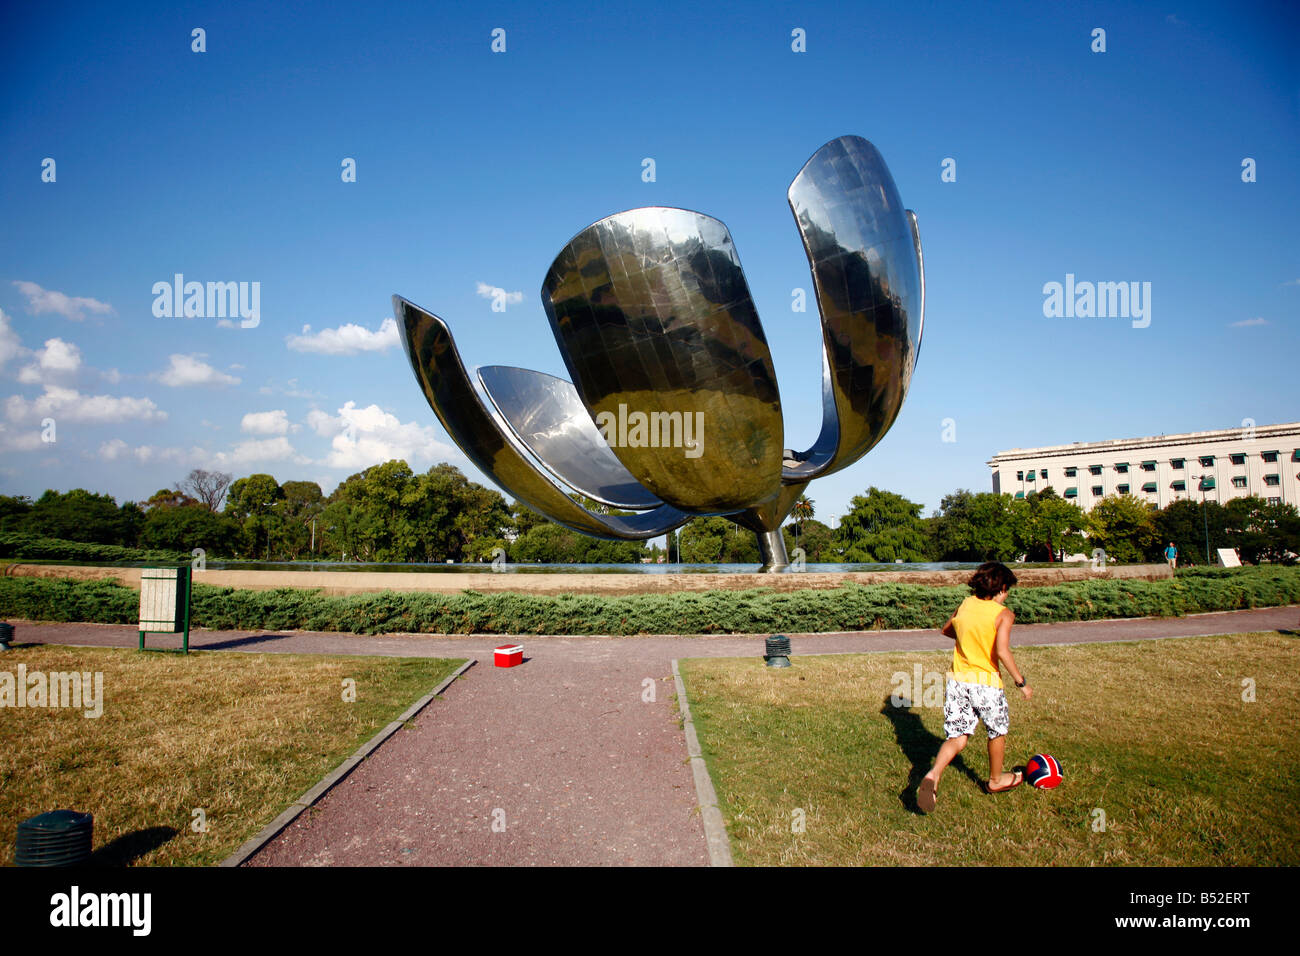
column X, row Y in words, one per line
column 772, row 547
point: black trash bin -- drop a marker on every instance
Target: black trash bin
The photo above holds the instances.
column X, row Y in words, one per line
column 57, row 838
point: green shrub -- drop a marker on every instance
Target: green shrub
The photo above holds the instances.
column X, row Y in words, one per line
column 849, row 608
column 34, row 547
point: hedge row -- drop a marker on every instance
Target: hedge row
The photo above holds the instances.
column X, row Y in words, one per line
column 849, row 608
column 31, row 546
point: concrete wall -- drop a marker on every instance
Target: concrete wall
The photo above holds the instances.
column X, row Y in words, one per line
column 361, row 582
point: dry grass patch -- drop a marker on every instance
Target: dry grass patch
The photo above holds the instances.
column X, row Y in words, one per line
column 1155, row 735
column 238, row 736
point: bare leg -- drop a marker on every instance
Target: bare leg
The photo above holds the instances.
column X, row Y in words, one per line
column 927, row 793
column 997, row 751
column 950, row 749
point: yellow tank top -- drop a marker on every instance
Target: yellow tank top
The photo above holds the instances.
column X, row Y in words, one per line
column 976, row 627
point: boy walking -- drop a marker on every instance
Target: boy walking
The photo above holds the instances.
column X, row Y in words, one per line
column 981, row 627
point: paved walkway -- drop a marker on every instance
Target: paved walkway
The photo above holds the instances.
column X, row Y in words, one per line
column 564, row 750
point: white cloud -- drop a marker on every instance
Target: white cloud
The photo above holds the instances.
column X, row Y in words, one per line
column 349, row 339
column 59, row 359
column 112, row 450
column 10, row 345
column 1248, row 322
column 369, row 436
column 494, row 291
column 112, row 376
column 41, row 300
column 258, row 450
column 267, row 423
column 185, row 370
column 69, row 405
column 24, row 440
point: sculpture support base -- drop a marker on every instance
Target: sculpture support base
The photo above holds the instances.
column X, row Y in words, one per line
column 772, row 548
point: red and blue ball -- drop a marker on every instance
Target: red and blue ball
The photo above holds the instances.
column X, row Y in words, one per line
column 1043, row 771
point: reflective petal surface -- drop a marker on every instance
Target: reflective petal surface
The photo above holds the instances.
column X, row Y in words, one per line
column 545, row 413
column 674, row 406
column 654, row 319
column 490, row 444
column 865, row 254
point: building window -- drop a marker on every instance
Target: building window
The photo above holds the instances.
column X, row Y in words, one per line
column 1207, row 461
column 1071, row 472
column 1177, row 463
column 1029, row 475
column 1149, row 486
column 1020, row 476
column 1272, row 480
column 1042, row 473
column 1275, row 501
column 1239, row 481
column 1269, row 456
column 1122, row 468
column 1094, row 469
column 1238, row 459
column 1122, row 489
column 1179, row 485
column 1148, row 466
column 1096, row 491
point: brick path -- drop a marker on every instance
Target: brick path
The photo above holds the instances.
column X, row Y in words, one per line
column 563, row 749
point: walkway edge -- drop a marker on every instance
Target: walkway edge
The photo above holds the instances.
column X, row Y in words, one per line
column 715, row 831
column 327, row 783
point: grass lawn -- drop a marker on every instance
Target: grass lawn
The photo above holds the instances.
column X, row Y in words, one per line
column 1155, row 735
column 237, row 736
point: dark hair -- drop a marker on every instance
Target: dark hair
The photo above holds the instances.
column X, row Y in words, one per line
column 992, row 579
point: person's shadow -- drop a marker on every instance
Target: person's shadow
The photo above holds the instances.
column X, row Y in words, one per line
column 920, row 747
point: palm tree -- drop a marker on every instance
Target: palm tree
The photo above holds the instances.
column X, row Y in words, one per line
column 801, row 512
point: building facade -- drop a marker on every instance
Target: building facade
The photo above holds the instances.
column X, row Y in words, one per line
column 1215, row 465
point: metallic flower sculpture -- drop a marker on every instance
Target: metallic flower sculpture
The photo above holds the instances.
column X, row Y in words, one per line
column 673, row 410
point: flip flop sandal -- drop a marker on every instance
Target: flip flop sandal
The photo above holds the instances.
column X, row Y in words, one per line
column 1018, row 777
column 927, row 795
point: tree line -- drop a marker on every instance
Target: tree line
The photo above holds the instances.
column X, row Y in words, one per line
column 389, row 513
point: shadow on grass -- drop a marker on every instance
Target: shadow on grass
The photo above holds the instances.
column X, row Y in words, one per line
column 238, row 642
column 920, row 747
column 129, row 847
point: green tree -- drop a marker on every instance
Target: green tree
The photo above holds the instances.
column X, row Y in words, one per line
column 881, row 526
column 1125, row 527
column 251, row 501
column 187, row 527
column 1261, row 531
column 1048, row 524
column 550, row 543
column 717, row 541
column 815, row 539
column 1186, row 523
column 79, row 515
column 975, row 527
column 13, row 509
column 300, row 504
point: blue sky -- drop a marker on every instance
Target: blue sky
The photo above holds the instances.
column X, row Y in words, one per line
column 474, row 168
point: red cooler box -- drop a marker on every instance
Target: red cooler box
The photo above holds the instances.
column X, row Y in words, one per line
column 509, row 655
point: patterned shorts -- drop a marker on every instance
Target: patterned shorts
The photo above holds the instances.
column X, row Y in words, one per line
column 965, row 705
